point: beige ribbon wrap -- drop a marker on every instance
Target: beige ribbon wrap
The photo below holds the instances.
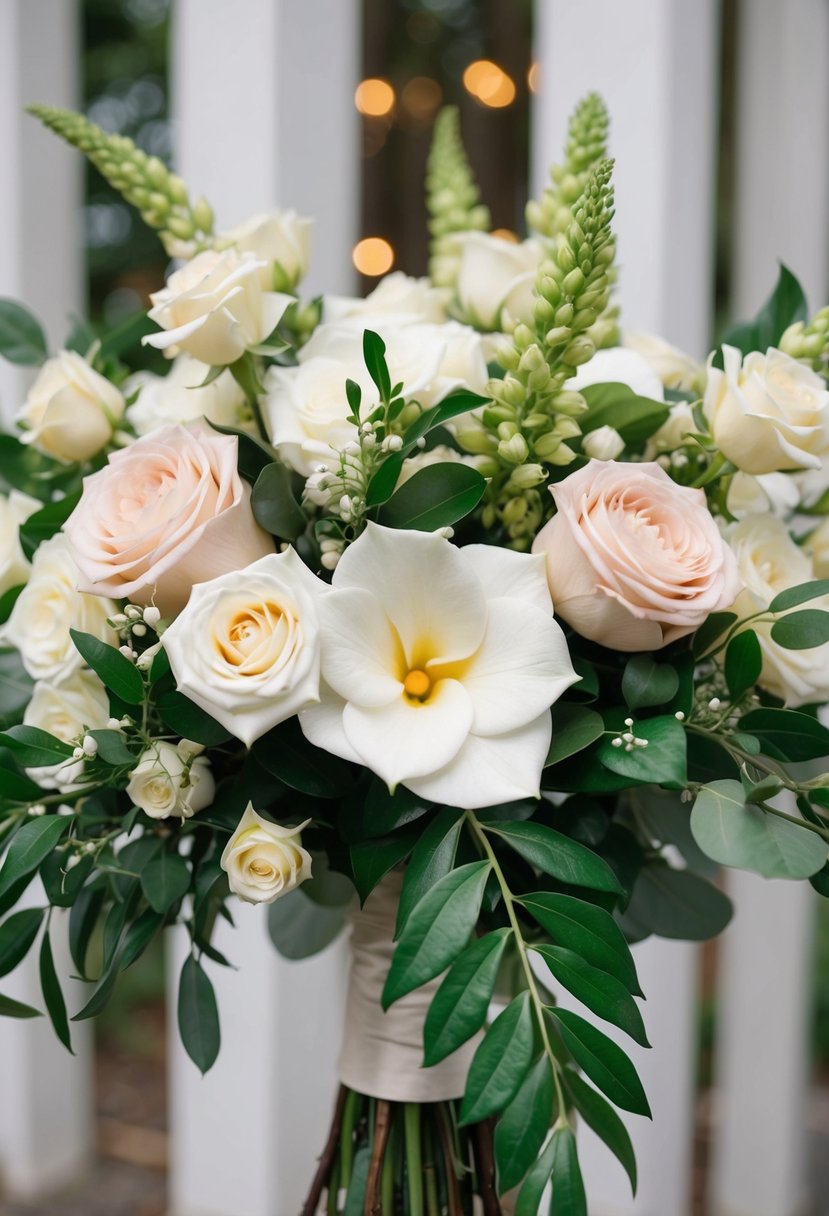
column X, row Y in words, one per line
column 382, row 1053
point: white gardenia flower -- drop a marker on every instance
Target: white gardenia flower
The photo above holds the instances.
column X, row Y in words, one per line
column 397, row 296
column 246, row 647
column 163, row 786
column 66, row 710
column 279, row 239
column 439, row 667
column 180, row 397
column 264, row 861
column 215, row 308
column 769, row 561
column 767, row 412
column 616, row 365
column 15, row 509
column 71, row 410
column 48, row 607
column 496, row 279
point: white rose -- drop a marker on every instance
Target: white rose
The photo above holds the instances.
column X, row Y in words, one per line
column 767, row 412
column 180, row 397
column 15, row 509
column 67, row 710
column 675, row 369
column 769, row 561
column 674, row 431
column 166, row 784
column 605, row 443
column 306, row 412
column 264, row 861
column 496, row 277
column 619, row 366
column 215, row 308
column 817, row 546
column 246, row 648
column 48, row 607
column 775, row 492
column 71, row 410
column 280, row 239
column 398, row 295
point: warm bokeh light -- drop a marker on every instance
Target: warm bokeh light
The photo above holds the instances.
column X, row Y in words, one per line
column 421, row 97
column 534, row 77
column 505, row 234
column 489, row 84
column 373, row 256
column 374, row 97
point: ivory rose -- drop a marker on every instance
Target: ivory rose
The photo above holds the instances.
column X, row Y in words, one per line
column 496, row 278
column 67, row 709
column 634, row 561
column 167, row 512
column 281, row 240
column 397, row 296
column 47, row 608
column 182, row 396
column 264, row 861
column 769, row 561
column 439, row 667
column 674, row 368
column 168, row 783
column 15, row 509
column 246, row 647
column 71, row 410
column 767, row 412
column 215, row 308
column 619, row 366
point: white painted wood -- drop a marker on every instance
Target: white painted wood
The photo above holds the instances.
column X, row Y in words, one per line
column 655, row 62
column 41, row 251
column 782, row 150
column 245, row 1138
column 762, row 1050
column 262, row 95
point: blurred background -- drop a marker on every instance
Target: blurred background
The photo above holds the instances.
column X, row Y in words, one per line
column 721, row 131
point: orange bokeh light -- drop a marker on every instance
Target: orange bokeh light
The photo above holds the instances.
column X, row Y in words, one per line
column 374, row 97
column 489, row 84
column 373, row 256
column 505, row 234
column 534, row 77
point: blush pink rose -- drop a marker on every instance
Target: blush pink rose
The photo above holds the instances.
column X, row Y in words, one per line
column 169, row 511
column 634, row 561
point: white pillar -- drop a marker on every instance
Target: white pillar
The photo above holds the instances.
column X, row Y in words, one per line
column 655, row 62
column 781, row 197
column 764, row 1001
column 246, row 1137
column 264, row 116
column 41, row 251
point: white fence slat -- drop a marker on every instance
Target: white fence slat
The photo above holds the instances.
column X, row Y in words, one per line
column 655, row 62
column 764, row 1003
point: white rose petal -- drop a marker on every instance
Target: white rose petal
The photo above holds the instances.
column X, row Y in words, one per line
column 264, row 861
column 66, row 710
column 496, row 275
column 15, row 509
column 180, row 397
column 605, row 443
column 619, row 366
column 674, row 368
column 162, row 787
column 281, row 240
column 71, row 410
column 397, row 296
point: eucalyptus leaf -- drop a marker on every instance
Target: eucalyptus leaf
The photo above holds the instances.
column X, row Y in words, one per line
column 791, row 597
column 675, row 904
column 300, row 928
column 646, row 682
column 801, row 630
column 747, row 837
column 661, row 762
column 198, row 1017
column 22, row 340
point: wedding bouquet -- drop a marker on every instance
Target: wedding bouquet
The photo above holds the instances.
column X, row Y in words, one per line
column 454, row 611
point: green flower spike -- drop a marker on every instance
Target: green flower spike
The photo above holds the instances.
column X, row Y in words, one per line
column 810, row 341
column 452, row 198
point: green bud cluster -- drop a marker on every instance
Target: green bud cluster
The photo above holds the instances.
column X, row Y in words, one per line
column 809, row 341
column 586, row 146
column 452, row 198
column 144, row 181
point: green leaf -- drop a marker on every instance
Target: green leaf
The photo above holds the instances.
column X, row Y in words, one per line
column 574, row 728
column 198, row 1017
column 460, row 1005
column 569, row 1198
column 646, row 682
column 52, row 995
column 35, row 840
column 602, row 993
column 437, row 930
column 558, row 855
column 298, row 927
column 749, row 838
column 43, row 524
column 785, row 305
column 115, row 671
column 326, row 886
column 602, row 1118
column 33, row 747
column 63, row 875
column 371, row 860
column 22, row 339
column 356, row 1197
column 16, row 1009
column 792, row 596
column 801, row 630
column 17, row 935
column 165, row 880
column 521, row 1130
column 183, row 717
column 434, row 497
column 381, row 486
column 16, row 687
column 712, row 629
column 274, row 505
column 786, row 733
column 139, row 935
column 529, row 1198
column 112, row 749
column 662, row 762
column 285, row 752
column 501, row 1062
column 676, row 904
column 432, row 858
column 374, row 354
column 603, row 1061
column 743, row 663
column 588, row 930
column 384, row 812
column 83, row 917
column 612, row 404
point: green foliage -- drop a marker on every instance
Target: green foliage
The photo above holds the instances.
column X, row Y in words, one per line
column 22, row 339
column 586, row 929
column 32, row 843
column 603, row 1120
column 747, row 837
column 785, row 306
column 646, row 682
column 198, row 1017
column 274, row 505
column 115, row 671
column 602, row 1061
column 500, row 1063
column 743, row 663
column 522, row 1129
column 165, row 880
column 434, row 497
column 603, row 994
column 299, row 927
column 661, row 762
column 675, row 904
column 801, row 630
column 635, row 418
column 52, row 994
column 557, row 855
column 460, row 1006
column 574, row 728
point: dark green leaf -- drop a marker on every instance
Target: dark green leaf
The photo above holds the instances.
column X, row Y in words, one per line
column 602, row 993
column 33, row 747
column 299, row 928
column 569, row 1198
column 714, row 627
column 112, row 749
column 603, row 1061
column 792, row 596
column 356, row 1198
column 17, row 934
column 602, row 1118
column 588, row 930
column 801, row 630
column 183, row 717
column 198, row 1017
column 374, row 354
column 676, row 904
column 646, row 682
column 634, row 417
column 115, row 671
column 661, row 762
column 432, row 858
column 749, row 838
column 558, row 855
column 328, row 887
column 16, row 687
column 501, row 1062
column 743, row 663
column 139, row 935
column 785, row 305
column 15, row 786
column 274, row 505
column 460, row 1005
column 371, row 860
column 16, row 1009
column 574, row 728
column 83, row 918
column 521, row 1130
column 164, row 880
column 287, row 754
column 381, row 486
column 529, row 1198
column 63, row 875
column 46, row 522
column 383, row 811
column 22, row 339
column 434, row 497
column 787, row 733
column 52, row 995
column 33, row 842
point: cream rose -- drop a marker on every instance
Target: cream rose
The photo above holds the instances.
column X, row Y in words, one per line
column 817, row 546
column 674, row 368
column 246, row 648
column 306, row 412
column 15, row 509
column 182, row 396
column 496, row 279
column 264, row 861
column 71, row 410
column 215, row 308
column 169, row 783
column 165, row 513
column 769, row 561
column 398, row 295
column 634, row 561
column 767, row 412
column 67, row 710
column 279, row 239
column 47, row 608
